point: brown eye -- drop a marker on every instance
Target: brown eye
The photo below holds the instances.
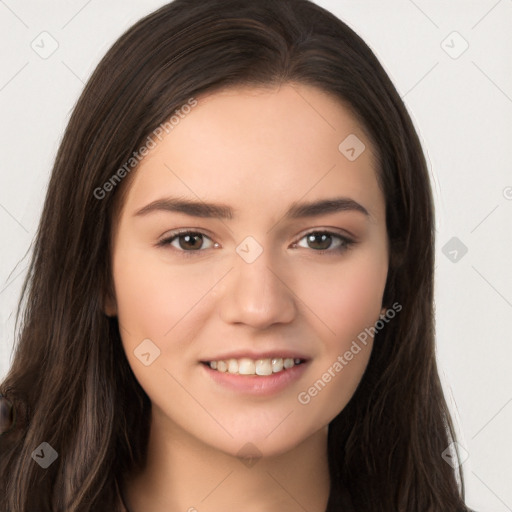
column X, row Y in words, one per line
column 192, row 242
column 187, row 241
column 325, row 241
column 321, row 241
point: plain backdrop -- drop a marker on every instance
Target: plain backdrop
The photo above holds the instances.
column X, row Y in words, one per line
column 451, row 63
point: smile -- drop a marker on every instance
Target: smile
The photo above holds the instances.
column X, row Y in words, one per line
column 246, row 366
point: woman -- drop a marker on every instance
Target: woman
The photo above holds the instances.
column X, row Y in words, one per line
column 229, row 305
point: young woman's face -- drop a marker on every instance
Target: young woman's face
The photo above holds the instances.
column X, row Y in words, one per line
column 290, row 264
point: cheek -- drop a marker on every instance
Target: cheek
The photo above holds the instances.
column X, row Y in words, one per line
column 347, row 297
column 152, row 296
column 140, row 297
column 348, row 300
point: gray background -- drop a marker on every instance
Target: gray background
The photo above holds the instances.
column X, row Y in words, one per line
column 461, row 102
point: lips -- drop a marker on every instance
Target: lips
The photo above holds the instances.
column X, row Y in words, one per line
column 256, row 385
column 252, row 354
column 262, row 373
column 249, row 366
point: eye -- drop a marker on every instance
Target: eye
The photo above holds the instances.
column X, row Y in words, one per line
column 187, row 241
column 325, row 241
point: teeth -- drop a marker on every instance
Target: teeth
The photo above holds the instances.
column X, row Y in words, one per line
column 288, row 363
column 277, row 365
column 233, row 366
column 246, row 366
column 263, row 367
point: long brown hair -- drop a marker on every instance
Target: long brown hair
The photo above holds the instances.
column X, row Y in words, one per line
column 70, row 381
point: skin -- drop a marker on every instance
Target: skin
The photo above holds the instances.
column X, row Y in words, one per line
column 258, row 151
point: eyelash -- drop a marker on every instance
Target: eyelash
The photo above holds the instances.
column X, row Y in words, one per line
column 346, row 243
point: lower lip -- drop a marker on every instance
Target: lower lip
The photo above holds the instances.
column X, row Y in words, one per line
column 261, row 385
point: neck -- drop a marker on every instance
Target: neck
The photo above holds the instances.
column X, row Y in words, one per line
column 182, row 473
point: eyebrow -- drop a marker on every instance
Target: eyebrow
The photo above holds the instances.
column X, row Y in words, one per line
column 221, row 211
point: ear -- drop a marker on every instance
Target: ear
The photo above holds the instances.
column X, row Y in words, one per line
column 109, row 303
column 110, row 307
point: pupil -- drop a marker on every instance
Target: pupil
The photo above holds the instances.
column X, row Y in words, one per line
column 192, row 241
column 323, row 240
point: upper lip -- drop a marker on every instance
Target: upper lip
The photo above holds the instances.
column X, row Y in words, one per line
column 249, row 354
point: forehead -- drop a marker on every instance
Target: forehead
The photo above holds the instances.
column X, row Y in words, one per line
column 249, row 146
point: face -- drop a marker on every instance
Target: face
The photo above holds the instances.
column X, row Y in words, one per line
column 250, row 241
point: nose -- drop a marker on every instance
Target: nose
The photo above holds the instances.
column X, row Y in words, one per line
column 258, row 294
